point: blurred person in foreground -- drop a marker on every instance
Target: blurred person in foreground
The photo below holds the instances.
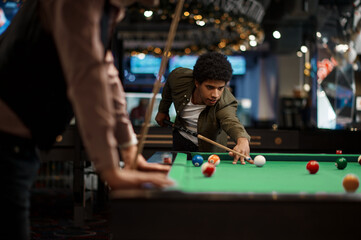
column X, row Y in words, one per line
column 53, row 65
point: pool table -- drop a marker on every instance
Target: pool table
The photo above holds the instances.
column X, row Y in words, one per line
column 280, row 200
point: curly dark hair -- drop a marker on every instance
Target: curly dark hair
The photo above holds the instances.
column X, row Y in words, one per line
column 212, row 66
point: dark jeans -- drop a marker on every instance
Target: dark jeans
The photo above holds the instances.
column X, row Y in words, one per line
column 182, row 144
column 19, row 165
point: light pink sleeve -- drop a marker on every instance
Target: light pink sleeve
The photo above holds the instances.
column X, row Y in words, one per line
column 76, row 31
column 124, row 132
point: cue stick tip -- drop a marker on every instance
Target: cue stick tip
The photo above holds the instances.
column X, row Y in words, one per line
column 249, row 160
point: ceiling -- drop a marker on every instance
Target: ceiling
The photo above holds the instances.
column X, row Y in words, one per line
column 228, row 24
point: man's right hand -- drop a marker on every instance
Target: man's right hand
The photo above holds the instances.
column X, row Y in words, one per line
column 160, row 118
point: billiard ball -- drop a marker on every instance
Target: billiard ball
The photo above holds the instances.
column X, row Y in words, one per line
column 312, row 166
column 341, row 163
column 259, row 160
column 197, row 160
column 214, row 159
column 338, row 151
column 208, row 169
column 359, row 159
column 167, row 158
column 350, row 182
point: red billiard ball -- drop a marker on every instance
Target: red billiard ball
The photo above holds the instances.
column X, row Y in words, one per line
column 214, row 159
column 312, row 166
column 167, row 158
column 208, row 169
column 338, row 151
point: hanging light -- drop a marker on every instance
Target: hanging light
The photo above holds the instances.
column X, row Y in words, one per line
column 276, row 34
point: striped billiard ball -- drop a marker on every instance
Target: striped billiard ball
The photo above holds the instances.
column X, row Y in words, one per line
column 214, row 159
column 208, row 169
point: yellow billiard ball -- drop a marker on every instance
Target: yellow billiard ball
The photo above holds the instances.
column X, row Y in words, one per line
column 350, row 183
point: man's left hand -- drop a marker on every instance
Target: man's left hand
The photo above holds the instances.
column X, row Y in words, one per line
column 243, row 148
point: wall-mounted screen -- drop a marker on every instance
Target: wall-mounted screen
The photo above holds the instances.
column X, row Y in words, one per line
column 186, row 61
column 144, row 64
column 238, row 64
column 8, row 9
column 358, row 103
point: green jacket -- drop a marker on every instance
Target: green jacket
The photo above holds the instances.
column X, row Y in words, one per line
column 214, row 122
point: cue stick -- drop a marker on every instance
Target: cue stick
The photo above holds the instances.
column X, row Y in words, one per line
column 157, row 84
column 248, row 159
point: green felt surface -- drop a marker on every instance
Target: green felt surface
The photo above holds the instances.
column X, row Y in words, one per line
column 281, row 176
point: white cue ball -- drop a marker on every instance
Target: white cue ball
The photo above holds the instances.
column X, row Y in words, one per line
column 259, row 160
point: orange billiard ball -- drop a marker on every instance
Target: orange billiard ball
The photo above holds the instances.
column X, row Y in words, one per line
column 214, row 159
column 312, row 166
column 350, row 182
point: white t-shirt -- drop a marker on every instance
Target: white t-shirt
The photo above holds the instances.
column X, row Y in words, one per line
column 190, row 115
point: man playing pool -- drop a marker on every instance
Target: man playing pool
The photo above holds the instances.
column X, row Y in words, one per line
column 203, row 104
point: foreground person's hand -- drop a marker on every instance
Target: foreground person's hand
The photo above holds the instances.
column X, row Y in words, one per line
column 128, row 156
column 126, row 179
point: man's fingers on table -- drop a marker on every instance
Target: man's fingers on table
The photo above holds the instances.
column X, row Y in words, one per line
column 235, row 158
